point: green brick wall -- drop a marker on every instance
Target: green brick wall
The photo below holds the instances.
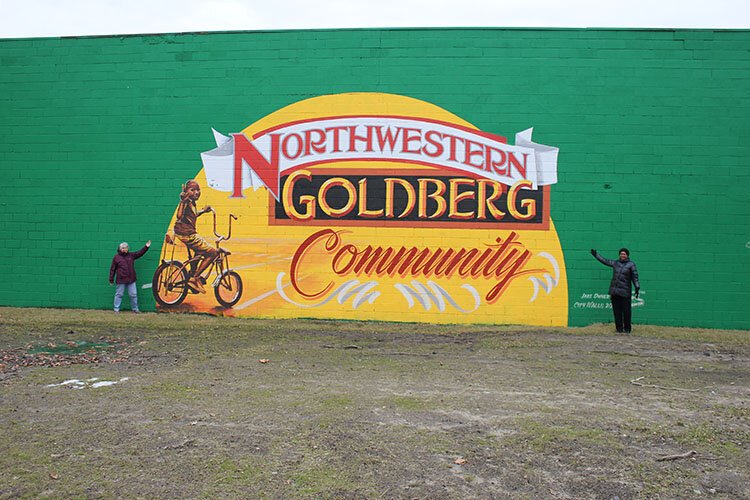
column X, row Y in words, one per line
column 652, row 126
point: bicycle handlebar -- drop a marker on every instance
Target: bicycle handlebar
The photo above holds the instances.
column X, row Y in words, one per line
column 229, row 234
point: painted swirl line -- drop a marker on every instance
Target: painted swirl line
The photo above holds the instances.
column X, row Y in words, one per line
column 435, row 294
column 361, row 292
column 549, row 283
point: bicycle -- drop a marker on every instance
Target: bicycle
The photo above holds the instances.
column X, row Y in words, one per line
column 171, row 282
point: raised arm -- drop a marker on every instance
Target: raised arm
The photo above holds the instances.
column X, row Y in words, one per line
column 143, row 250
column 601, row 259
column 181, row 209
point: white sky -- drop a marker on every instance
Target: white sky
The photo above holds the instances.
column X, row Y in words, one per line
column 34, row 18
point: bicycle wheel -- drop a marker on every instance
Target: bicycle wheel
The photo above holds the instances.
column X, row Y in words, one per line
column 228, row 290
column 170, row 283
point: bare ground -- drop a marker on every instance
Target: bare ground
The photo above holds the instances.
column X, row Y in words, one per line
column 367, row 410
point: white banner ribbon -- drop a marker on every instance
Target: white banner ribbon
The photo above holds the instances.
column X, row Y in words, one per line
column 270, row 153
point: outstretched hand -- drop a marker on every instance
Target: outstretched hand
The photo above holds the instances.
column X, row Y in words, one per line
column 148, row 243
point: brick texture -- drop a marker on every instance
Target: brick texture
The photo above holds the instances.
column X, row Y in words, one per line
column 652, row 126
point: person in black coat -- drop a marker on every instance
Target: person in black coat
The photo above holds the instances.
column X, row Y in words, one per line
column 624, row 273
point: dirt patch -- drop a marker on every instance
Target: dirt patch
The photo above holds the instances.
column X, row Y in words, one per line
column 373, row 410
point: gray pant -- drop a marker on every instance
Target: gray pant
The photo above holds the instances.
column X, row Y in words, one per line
column 132, row 292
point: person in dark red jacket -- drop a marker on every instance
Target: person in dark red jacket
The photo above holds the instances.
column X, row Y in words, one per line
column 122, row 273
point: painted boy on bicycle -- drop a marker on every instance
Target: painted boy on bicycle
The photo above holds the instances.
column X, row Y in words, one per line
column 184, row 229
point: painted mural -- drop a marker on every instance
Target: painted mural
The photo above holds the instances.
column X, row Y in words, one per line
column 368, row 206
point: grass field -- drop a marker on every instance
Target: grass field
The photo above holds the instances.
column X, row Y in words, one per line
column 191, row 406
